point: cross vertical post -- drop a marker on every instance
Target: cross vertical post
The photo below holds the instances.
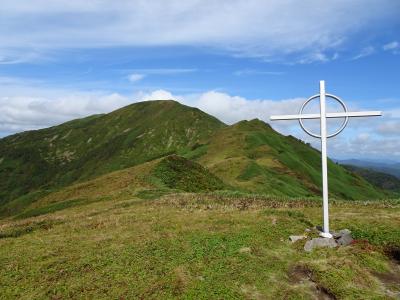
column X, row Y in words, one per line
column 324, row 160
column 323, row 115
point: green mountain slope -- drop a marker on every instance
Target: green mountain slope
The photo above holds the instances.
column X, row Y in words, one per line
column 248, row 156
column 252, row 156
column 172, row 173
column 86, row 148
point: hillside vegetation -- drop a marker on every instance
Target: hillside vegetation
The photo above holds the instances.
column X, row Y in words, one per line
column 248, row 157
column 149, row 180
column 86, row 148
column 251, row 156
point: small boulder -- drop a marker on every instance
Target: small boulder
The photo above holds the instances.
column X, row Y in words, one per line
column 295, row 238
column 319, row 243
column 343, row 237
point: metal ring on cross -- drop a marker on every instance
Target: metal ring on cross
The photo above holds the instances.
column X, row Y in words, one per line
column 346, row 120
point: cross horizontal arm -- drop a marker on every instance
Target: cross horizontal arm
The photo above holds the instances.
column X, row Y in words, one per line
column 328, row 115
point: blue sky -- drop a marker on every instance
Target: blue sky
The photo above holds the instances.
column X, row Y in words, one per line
column 61, row 60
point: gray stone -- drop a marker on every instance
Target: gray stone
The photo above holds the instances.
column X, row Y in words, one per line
column 338, row 234
column 319, row 243
column 344, row 237
column 345, row 231
column 295, row 238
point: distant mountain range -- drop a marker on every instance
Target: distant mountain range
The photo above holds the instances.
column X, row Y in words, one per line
column 383, row 180
column 163, row 145
column 392, row 168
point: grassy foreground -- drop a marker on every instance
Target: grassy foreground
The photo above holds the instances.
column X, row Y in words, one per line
column 190, row 246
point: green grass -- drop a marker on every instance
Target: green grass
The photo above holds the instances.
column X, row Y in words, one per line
column 51, row 208
column 26, row 228
column 151, row 194
column 222, row 245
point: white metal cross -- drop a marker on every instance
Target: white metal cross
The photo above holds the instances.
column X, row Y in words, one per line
column 324, row 136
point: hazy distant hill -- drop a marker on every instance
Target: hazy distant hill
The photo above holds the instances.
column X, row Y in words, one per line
column 248, row 156
column 385, row 167
column 383, row 180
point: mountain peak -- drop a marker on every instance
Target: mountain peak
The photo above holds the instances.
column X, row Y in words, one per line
column 252, row 124
column 86, row 148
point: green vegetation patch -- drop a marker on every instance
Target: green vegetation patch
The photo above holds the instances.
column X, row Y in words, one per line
column 379, row 234
column 51, row 208
column 20, row 203
column 176, row 172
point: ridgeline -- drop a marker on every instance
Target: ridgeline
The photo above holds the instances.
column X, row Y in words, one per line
column 248, row 157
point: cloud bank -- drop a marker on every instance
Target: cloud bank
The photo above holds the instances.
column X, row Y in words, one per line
column 31, row 112
column 312, row 30
column 136, row 77
column 43, row 108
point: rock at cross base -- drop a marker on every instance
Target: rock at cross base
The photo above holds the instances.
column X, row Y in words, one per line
column 343, row 237
column 319, row 243
column 295, row 238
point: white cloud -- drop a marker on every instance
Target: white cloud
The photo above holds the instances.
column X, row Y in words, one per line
column 25, row 104
column 139, row 74
column 360, row 147
column 155, row 95
column 391, row 127
column 135, row 77
column 391, row 46
column 17, row 56
column 367, row 51
column 394, row 47
column 269, row 29
column 232, row 109
column 35, row 112
column 29, row 108
column 25, row 113
column 314, row 57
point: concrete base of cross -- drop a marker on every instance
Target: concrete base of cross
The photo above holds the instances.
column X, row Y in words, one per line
column 326, row 235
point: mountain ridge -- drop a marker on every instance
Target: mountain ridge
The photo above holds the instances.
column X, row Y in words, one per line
column 248, row 156
column 85, row 148
column 381, row 179
column 392, row 168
